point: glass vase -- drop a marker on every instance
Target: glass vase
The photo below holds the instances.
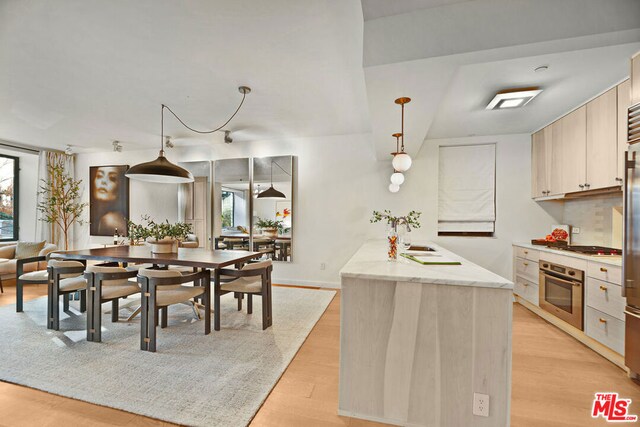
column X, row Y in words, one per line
column 392, row 249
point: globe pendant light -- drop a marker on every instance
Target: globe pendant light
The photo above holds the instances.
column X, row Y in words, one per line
column 394, row 188
column 397, row 178
column 162, row 170
column 272, row 193
column 401, row 160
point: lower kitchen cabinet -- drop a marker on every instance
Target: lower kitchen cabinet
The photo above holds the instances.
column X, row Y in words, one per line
column 606, row 329
column 527, row 290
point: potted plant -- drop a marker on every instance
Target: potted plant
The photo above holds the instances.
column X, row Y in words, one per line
column 163, row 237
column 269, row 227
column 60, row 204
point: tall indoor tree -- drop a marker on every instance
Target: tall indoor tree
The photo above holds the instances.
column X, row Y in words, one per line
column 60, row 204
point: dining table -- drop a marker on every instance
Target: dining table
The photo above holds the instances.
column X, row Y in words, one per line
column 198, row 259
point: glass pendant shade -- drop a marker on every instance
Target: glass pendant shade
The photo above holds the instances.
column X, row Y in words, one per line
column 160, row 170
column 394, row 188
column 397, row 178
column 401, row 162
column 271, row 193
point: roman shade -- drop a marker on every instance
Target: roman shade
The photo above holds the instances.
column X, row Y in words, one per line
column 466, row 189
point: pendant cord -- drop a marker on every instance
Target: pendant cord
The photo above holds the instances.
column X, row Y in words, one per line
column 244, row 95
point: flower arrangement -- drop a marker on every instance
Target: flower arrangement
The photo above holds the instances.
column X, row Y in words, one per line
column 409, row 220
column 270, row 227
column 157, row 230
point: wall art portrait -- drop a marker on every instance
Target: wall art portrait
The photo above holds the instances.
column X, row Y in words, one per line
column 109, row 200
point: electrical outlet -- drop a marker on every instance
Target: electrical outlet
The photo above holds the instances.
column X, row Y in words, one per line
column 481, row 404
column 575, row 230
column 323, row 266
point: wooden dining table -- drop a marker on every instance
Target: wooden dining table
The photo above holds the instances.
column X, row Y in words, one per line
column 198, row 259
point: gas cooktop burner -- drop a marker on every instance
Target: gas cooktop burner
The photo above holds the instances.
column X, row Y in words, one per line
column 593, row 250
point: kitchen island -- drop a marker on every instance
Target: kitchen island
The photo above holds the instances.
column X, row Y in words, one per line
column 417, row 341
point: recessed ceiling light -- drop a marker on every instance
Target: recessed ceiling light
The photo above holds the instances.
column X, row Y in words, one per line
column 541, row 68
column 513, row 98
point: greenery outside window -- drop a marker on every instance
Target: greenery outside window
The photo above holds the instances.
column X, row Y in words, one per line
column 9, row 171
column 227, row 209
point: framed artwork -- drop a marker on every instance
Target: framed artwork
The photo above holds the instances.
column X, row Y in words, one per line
column 108, row 200
column 283, row 213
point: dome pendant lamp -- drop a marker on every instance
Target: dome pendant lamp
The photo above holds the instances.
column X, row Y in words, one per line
column 162, row 170
column 272, row 193
column 401, row 160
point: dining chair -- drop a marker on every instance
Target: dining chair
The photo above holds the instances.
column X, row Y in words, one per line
column 65, row 277
column 252, row 279
column 162, row 288
column 104, row 284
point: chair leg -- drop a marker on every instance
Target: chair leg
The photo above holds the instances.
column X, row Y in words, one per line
column 216, row 300
column 164, row 316
column 207, row 304
column 65, row 302
column 239, row 296
column 83, row 301
column 157, row 316
column 249, row 303
column 53, row 317
column 19, row 289
column 144, row 310
column 1, row 288
column 153, row 321
column 265, row 309
column 115, row 310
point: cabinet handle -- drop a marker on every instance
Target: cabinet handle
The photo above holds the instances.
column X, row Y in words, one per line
column 601, row 320
column 604, row 270
column 587, row 185
column 526, row 284
column 526, row 252
column 525, row 263
column 603, row 288
column 581, row 186
column 619, row 179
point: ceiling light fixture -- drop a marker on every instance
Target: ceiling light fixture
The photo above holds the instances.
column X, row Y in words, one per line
column 513, row 98
column 117, row 147
column 397, row 178
column 401, row 161
column 167, row 142
column 541, row 68
column 272, row 193
column 161, row 169
column 227, row 137
column 68, row 151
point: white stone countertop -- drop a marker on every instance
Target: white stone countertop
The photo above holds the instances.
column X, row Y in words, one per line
column 602, row 259
column 370, row 262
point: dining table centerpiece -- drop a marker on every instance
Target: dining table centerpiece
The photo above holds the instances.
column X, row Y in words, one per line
column 397, row 225
column 269, row 227
column 163, row 237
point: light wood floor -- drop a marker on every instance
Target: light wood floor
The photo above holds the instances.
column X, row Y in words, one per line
column 554, row 379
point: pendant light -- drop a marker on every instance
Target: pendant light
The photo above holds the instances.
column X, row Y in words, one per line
column 162, row 170
column 272, row 193
column 401, row 160
column 397, row 178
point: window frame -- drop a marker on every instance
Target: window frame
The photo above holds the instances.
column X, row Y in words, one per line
column 16, row 199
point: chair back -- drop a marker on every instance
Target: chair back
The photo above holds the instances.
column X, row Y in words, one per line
column 122, row 274
column 259, row 265
column 152, row 273
column 76, row 267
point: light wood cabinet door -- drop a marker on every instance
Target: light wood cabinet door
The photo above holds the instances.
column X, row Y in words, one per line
column 538, row 165
column 572, row 136
column 635, row 79
column 602, row 144
column 552, row 135
column 624, row 101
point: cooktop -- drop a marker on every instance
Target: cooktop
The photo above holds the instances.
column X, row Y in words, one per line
column 592, row 250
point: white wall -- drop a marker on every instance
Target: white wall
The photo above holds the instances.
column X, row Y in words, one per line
column 518, row 218
column 158, row 200
column 338, row 184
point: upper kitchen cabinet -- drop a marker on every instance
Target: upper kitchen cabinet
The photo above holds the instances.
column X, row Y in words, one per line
column 624, row 101
column 635, row 79
column 539, row 164
column 570, row 133
column 602, row 144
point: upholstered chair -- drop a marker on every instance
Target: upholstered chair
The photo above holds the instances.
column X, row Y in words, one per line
column 162, row 288
column 104, row 284
column 65, row 277
column 252, row 279
column 191, row 241
column 27, row 270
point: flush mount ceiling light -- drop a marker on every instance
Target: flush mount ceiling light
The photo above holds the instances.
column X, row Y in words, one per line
column 513, row 98
column 272, row 193
column 117, row 147
column 161, row 169
column 401, row 161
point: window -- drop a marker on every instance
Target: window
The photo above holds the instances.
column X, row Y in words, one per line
column 227, row 209
column 466, row 190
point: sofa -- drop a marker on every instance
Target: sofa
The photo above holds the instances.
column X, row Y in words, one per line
column 8, row 260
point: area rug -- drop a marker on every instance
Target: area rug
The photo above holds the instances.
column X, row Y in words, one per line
column 216, row 380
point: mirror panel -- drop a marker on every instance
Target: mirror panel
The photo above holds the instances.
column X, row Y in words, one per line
column 194, row 203
column 269, row 174
column 232, row 204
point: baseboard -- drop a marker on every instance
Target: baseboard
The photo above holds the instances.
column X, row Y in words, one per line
column 602, row 350
column 307, row 283
column 350, row 414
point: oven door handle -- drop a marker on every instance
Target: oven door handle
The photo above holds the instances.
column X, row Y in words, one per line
column 632, row 314
column 569, row 282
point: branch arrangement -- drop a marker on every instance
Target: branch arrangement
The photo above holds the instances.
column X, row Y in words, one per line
column 409, row 220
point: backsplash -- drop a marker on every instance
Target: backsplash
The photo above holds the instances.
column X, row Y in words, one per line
column 595, row 218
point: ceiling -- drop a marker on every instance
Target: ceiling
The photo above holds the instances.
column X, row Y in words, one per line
column 87, row 73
